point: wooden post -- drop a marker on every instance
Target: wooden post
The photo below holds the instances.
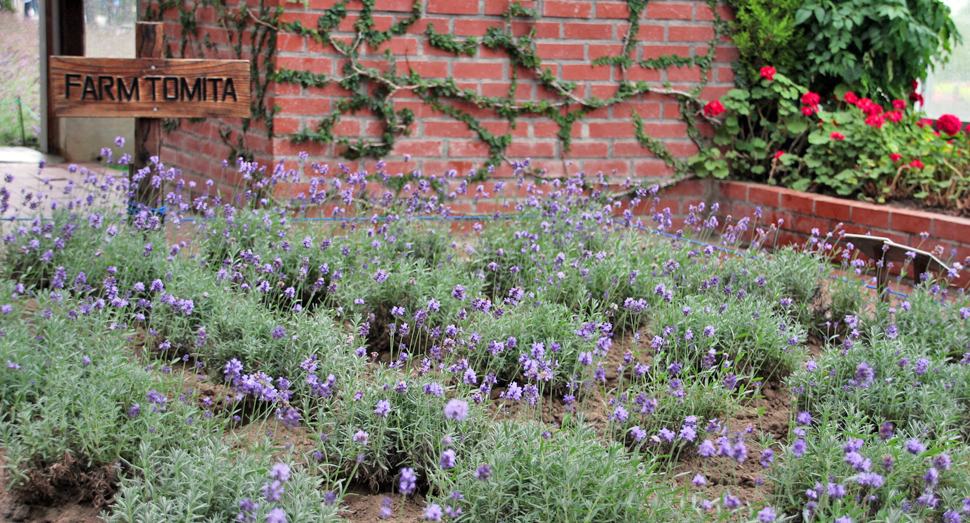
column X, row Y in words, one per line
column 149, row 38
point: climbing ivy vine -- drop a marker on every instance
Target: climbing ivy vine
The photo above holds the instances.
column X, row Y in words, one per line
column 372, row 89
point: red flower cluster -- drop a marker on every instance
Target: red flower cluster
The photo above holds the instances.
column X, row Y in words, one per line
column 810, row 100
column 895, row 157
column 714, row 108
column 914, row 96
column 916, row 164
column 949, row 124
column 768, row 72
column 837, row 135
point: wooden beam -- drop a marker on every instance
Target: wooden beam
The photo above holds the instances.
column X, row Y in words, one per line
column 149, row 38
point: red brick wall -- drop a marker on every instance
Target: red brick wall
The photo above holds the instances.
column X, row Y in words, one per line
column 570, row 34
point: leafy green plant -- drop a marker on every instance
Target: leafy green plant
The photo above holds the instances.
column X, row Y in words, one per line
column 876, row 47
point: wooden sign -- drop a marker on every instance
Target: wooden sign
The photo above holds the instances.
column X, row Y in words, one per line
column 149, row 87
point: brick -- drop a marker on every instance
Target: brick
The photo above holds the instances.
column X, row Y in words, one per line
column 587, row 31
column 286, row 42
column 477, row 70
column 522, row 90
column 394, row 5
column 650, row 33
column 951, row 228
column 449, row 129
column 798, row 203
column 834, row 209
column 306, row 63
column 670, row 11
column 304, row 106
column 459, row 149
column 684, row 74
column 523, row 149
column 427, row 69
column 612, row 10
column 682, row 149
column 586, row 72
column 656, row 51
column 548, row 51
column 547, row 129
column 543, row 29
column 911, row 221
column 642, row 74
column 611, row 130
column 474, row 27
column 648, row 110
column 503, row 127
column 665, row 129
column 400, row 46
column 622, row 167
column 763, row 195
column 588, row 150
column 870, row 215
column 704, row 13
column 690, row 33
column 417, row 148
column 652, row 168
column 568, row 9
column 805, row 224
column 601, row 50
column 453, row 7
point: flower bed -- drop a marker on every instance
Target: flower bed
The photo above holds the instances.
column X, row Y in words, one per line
column 550, row 364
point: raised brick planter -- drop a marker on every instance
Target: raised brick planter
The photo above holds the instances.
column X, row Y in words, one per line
column 802, row 212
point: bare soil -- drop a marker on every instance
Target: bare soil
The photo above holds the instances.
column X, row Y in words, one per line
column 65, row 507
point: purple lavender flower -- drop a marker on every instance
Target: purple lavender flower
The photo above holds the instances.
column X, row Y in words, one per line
column 799, row 447
column 448, row 459
column 273, row 491
column 864, row 376
column 699, row 480
column 456, row 410
column 914, row 446
column 706, row 449
column 739, row 452
column 408, row 481
column 731, row 502
column 804, row 418
column 247, row 509
column 380, row 275
column 767, row 515
column 277, row 515
column 433, row 512
column 886, row 431
column 483, row 472
column 280, row 471
column 382, row 409
column 951, row 516
column 361, row 437
column 638, row 433
column 458, row 292
column 767, row 457
column 386, row 504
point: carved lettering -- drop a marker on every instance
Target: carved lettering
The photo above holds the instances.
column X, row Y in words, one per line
column 89, row 88
column 126, row 94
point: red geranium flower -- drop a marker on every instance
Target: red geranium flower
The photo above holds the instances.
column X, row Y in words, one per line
column 875, row 120
column 895, row 157
column 916, row 98
column 808, row 110
column 899, row 104
column 768, row 72
column 837, row 136
column 779, row 154
column 949, row 124
column 916, row 164
column 811, row 99
column 895, row 116
column 850, row 97
column 714, row 108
